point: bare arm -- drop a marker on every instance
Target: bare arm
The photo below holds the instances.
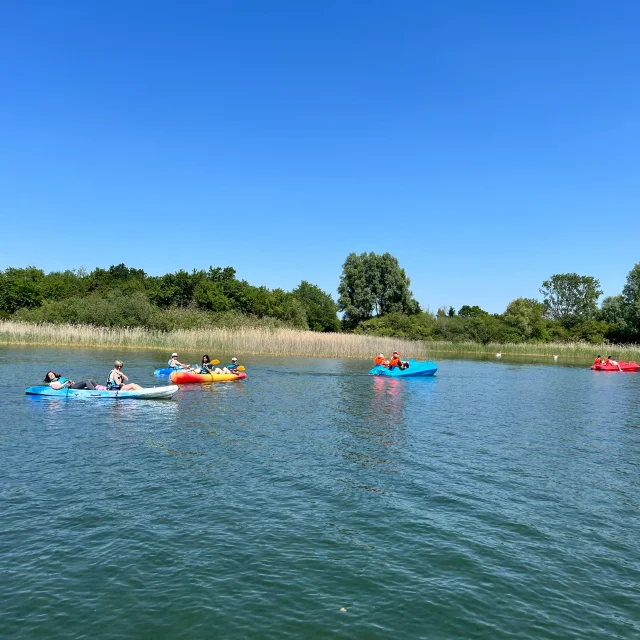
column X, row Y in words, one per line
column 57, row 385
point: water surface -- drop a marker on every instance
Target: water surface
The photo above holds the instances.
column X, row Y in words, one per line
column 495, row 500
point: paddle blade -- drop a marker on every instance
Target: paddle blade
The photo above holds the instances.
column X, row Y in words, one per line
column 241, row 368
column 214, row 362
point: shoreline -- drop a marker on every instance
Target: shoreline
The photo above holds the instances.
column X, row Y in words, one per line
column 288, row 343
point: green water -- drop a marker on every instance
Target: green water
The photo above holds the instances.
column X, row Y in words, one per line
column 496, row 500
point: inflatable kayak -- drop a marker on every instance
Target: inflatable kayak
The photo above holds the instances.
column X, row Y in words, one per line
column 624, row 366
column 415, row 369
column 152, row 393
column 182, row 377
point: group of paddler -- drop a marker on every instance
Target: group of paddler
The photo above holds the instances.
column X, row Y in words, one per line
column 395, row 361
column 608, row 361
column 117, row 380
column 206, row 366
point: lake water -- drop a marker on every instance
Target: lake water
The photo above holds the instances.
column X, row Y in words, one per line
column 495, row 500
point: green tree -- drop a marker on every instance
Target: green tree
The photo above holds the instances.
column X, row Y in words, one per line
column 209, row 295
column 571, row 298
column 471, row 312
column 20, row 288
column 615, row 312
column 320, row 308
column 631, row 294
column 373, row 284
column 526, row 316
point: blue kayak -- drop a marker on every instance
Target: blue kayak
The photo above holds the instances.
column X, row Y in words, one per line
column 415, row 369
column 140, row 394
column 164, row 371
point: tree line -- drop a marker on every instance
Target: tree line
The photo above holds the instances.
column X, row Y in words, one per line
column 374, row 297
column 122, row 296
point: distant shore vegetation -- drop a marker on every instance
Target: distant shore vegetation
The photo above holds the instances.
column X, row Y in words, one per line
column 374, row 300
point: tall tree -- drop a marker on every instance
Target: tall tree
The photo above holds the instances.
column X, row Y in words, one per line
column 631, row 295
column 571, row 298
column 373, row 284
column 320, row 308
column 526, row 316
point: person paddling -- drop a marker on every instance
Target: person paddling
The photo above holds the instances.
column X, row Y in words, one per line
column 206, row 366
column 597, row 360
column 118, row 381
column 174, row 363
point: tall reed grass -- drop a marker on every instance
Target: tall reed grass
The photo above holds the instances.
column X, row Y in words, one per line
column 240, row 341
column 285, row 342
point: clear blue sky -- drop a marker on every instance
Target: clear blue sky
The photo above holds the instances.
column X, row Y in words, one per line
column 487, row 145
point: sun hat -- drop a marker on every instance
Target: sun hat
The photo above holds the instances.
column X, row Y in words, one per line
column 233, row 359
column 174, row 355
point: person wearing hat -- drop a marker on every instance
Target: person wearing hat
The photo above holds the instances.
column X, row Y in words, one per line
column 379, row 359
column 175, row 364
column 230, row 368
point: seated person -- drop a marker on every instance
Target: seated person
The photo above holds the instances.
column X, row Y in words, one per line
column 175, row 364
column 231, row 368
column 56, row 381
column 379, row 360
column 598, row 360
column 118, row 381
column 395, row 360
column 206, row 366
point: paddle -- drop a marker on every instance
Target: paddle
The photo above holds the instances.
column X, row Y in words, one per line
column 241, row 368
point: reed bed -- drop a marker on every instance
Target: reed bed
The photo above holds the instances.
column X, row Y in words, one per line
column 240, row 341
column 576, row 350
column 286, row 342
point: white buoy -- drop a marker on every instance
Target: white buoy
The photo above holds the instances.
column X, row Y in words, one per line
column 498, row 355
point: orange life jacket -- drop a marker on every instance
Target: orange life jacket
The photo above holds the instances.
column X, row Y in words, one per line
column 607, row 361
column 394, row 362
column 378, row 360
column 598, row 361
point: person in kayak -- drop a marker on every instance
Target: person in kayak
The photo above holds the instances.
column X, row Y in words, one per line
column 118, row 381
column 175, row 364
column 230, row 368
column 206, row 366
column 597, row 360
column 56, row 381
column 379, row 360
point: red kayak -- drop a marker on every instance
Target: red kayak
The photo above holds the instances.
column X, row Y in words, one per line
column 624, row 366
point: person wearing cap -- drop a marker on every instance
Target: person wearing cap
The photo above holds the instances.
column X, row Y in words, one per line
column 175, row 364
column 379, row 359
column 230, row 368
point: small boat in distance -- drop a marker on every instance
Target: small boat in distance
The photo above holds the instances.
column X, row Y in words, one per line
column 415, row 369
column 625, row 367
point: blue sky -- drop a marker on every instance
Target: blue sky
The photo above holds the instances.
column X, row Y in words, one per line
column 487, row 145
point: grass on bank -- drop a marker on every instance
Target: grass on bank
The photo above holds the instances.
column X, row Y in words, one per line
column 276, row 341
column 241, row 341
